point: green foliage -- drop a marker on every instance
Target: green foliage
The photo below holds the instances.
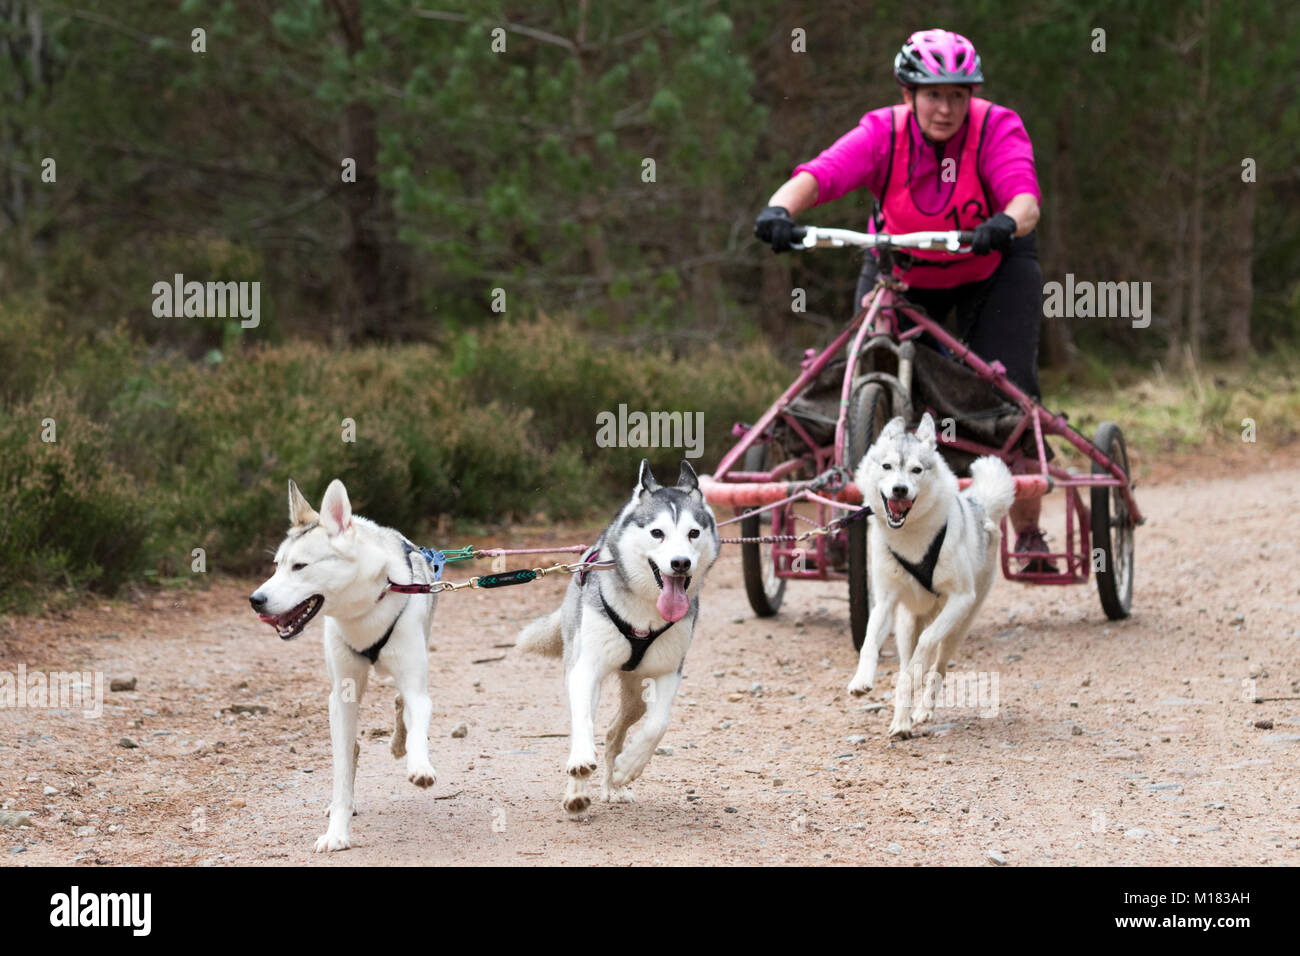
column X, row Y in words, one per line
column 549, row 366
column 70, row 517
column 1161, row 413
column 157, row 456
column 522, row 168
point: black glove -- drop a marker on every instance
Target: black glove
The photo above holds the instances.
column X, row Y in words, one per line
column 774, row 225
column 995, row 233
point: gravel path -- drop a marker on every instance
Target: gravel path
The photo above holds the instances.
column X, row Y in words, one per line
column 1129, row 743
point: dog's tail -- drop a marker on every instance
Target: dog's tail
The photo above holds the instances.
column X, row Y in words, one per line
column 993, row 487
column 542, row 636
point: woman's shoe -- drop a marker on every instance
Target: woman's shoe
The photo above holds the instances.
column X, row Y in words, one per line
column 1035, row 540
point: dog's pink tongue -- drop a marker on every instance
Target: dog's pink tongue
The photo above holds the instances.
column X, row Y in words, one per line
column 673, row 602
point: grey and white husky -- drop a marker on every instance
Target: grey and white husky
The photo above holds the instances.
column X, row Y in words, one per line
column 342, row 563
column 636, row 620
column 933, row 552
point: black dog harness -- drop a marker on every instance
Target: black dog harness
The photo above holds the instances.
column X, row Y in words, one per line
column 436, row 561
column 372, row 652
column 924, row 572
column 640, row 640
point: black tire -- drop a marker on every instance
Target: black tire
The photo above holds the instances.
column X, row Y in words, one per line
column 763, row 588
column 868, row 414
column 1112, row 529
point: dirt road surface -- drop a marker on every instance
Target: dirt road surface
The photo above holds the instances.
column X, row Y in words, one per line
column 1127, row 743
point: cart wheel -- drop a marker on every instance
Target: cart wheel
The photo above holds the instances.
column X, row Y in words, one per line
column 1112, row 530
column 764, row 589
column 868, row 414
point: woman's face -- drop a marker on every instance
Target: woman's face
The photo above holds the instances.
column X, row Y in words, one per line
column 940, row 110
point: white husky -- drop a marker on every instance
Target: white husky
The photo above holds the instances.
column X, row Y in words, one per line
column 933, row 553
column 343, row 563
column 635, row 620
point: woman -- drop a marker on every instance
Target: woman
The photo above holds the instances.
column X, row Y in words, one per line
column 945, row 159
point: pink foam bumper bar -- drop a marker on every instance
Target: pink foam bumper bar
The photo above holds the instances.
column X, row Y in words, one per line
column 745, row 494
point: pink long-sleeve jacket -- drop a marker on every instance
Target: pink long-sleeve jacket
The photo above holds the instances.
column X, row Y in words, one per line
column 862, row 158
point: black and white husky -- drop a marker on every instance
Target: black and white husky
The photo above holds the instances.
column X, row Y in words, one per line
column 342, row 563
column 635, row 620
column 933, row 552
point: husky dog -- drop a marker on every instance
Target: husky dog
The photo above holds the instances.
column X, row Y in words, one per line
column 343, row 563
column 933, row 553
column 635, row 620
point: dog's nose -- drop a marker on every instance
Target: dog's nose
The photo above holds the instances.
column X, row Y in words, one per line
column 681, row 565
column 258, row 600
column 900, row 491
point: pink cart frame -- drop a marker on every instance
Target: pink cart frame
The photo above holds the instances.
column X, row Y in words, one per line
column 1034, row 474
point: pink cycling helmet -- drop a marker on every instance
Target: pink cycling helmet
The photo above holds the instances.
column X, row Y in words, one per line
column 937, row 56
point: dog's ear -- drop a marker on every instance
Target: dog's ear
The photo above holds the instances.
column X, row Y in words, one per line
column 300, row 512
column 646, row 480
column 925, row 431
column 896, row 427
column 688, row 481
column 336, row 510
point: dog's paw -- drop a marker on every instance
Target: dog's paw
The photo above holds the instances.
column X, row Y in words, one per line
column 422, row 777
column 577, row 803
column 332, row 842
column 621, row 781
column 615, row 794
column 923, row 706
column 901, row 727
column 581, row 767
column 627, row 768
column 859, row 687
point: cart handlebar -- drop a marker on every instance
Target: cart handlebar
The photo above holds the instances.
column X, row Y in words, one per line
column 812, row 237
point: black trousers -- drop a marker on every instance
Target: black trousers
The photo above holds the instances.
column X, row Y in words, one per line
column 998, row 317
